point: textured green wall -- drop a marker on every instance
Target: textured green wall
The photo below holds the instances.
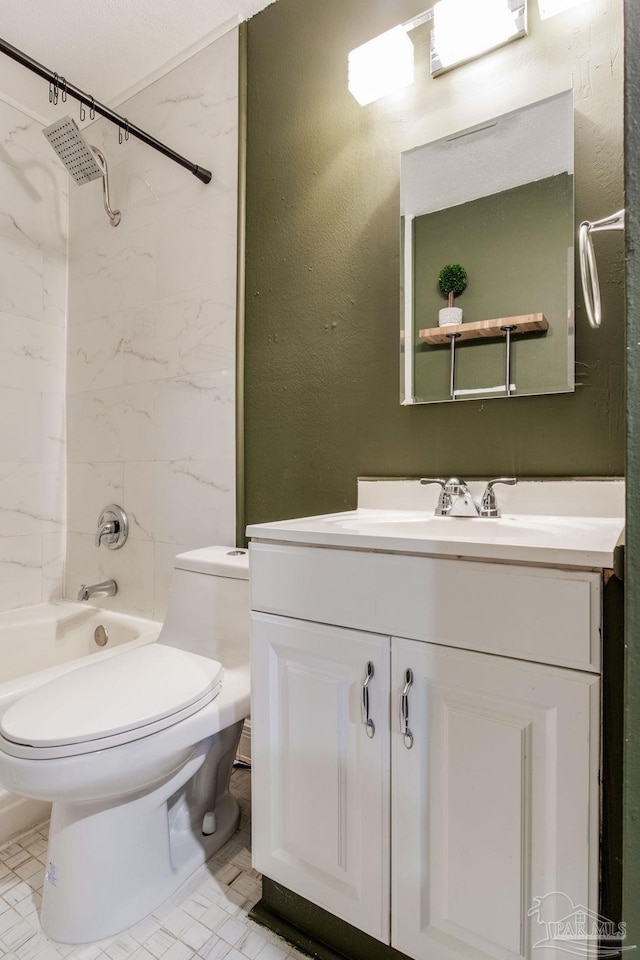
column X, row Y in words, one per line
column 631, row 825
column 322, row 258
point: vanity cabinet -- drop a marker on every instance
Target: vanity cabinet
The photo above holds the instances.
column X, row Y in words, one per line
column 436, row 833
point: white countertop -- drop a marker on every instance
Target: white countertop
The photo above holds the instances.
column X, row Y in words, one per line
column 564, row 539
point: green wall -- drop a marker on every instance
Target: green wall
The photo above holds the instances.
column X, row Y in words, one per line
column 322, row 258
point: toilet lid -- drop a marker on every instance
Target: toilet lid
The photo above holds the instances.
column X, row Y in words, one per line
column 130, row 691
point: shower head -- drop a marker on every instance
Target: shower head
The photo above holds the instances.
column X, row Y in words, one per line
column 83, row 161
column 74, row 151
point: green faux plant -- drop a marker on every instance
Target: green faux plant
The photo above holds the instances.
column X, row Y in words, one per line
column 452, row 281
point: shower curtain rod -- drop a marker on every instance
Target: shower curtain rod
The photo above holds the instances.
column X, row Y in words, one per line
column 129, row 128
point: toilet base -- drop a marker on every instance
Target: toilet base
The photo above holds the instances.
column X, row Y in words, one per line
column 109, row 864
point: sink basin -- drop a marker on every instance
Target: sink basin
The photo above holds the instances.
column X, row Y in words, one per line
column 508, row 529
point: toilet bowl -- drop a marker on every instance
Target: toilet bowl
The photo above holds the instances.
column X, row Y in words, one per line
column 136, row 753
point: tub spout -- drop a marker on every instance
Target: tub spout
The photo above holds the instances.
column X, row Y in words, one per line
column 108, row 588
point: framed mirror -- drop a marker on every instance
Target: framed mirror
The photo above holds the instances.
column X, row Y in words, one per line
column 487, row 228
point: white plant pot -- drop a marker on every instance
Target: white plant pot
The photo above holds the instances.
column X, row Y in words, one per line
column 449, row 315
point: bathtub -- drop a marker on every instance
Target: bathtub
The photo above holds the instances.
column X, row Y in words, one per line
column 40, row 643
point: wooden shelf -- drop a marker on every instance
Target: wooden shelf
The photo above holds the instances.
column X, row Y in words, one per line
column 485, row 329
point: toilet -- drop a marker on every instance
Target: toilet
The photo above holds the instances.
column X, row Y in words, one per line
column 136, row 752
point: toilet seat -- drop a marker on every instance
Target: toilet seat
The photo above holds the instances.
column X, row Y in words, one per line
column 121, row 699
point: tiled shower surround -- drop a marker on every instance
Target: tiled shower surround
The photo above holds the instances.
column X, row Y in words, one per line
column 151, row 335
column 33, row 245
column 150, row 322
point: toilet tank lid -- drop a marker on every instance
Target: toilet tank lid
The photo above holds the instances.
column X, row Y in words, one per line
column 217, row 561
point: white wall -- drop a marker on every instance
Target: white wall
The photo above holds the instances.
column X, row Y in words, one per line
column 151, row 336
column 33, row 242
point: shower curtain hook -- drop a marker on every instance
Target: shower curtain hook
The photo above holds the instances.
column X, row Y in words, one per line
column 53, row 90
column 92, row 110
column 63, row 85
column 126, row 130
column 83, row 112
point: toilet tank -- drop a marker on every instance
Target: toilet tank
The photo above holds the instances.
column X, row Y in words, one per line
column 208, row 611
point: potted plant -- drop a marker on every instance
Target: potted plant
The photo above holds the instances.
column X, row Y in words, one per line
column 452, row 281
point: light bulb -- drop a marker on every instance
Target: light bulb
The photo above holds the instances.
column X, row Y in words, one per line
column 381, row 66
column 464, row 29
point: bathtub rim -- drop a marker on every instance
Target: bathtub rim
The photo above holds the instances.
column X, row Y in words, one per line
column 16, row 687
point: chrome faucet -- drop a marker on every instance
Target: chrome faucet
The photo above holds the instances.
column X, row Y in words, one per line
column 456, row 500
column 108, row 588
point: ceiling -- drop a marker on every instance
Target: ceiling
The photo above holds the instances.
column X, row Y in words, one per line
column 106, row 47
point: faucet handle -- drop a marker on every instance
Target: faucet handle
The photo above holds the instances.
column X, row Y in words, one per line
column 488, row 504
column 109, row 529
column 444, row 500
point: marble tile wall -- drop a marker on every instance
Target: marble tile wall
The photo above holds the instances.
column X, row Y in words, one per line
column 33, row 251
column 151, row 335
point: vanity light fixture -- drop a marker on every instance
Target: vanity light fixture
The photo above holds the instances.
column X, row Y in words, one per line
column 381, row 66
column 466, row 29
column 463, row 30
column 549, row 8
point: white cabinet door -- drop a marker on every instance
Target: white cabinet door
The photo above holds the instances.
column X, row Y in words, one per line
column 495, row 804
column 320, row 783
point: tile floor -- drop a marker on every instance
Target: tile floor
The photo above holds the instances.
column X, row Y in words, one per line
column 206, row 919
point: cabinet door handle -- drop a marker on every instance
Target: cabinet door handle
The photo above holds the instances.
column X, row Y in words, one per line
column 368, row 722
column 407, row 736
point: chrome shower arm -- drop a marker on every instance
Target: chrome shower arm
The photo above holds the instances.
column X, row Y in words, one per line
column 114, row 215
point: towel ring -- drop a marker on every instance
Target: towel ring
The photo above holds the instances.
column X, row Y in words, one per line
column 588, row 266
